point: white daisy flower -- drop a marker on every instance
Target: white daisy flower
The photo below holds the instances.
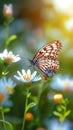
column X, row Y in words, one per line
column 62, row 82
column 8, row 84
column 9, row 57
column 27, row 76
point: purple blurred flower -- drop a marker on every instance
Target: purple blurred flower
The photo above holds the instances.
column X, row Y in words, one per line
column 6, row 88
column 62, row 82
column 56, row 125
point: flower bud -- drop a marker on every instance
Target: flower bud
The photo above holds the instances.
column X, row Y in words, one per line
column 8, row 10
column 58, row 97
column 29, row 116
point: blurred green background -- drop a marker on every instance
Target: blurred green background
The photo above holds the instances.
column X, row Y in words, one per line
column 37, row 22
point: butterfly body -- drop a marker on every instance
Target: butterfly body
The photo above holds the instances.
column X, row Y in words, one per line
column 45, row 59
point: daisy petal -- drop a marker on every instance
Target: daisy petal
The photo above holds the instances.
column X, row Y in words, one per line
column 27, row 77
column 28, row 72
column 23, row 72
column 19, row 74
column 34, row 74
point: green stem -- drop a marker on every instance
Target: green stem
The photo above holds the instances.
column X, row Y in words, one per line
column 3, row 120
column 63, row 117
column 40, row 91
column 4, row 70
column 64, row 112
column 6, row 36
column 26, row 102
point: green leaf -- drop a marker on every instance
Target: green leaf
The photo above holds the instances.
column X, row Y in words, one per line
column 59, row 109
column 65, row 101
column 1, row 61
column 1, row 109
column 67, row 113
column 6, row 110
column 63, row 107
column 8, row 125
column 4, row 73
column 28, row 95
column 30, row 106
column 10, row 39
column 57, row 114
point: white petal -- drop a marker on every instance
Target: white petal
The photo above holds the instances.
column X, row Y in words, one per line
column 4, row 80
column 1, row 55
column 34, row 74
column 37, row 78
column 10, row 54
column 11, row 82
column 25, row 81
column 17, row 56
column 18, row 78
column 23, row 72
column 5, row 52
column 28, row 72
column 20, row 74
column 16, row 59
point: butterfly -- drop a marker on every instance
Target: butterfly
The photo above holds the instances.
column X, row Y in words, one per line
column 45, row 59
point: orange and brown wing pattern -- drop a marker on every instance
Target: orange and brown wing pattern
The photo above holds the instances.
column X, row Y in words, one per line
column 45, row 59
column 50, row 50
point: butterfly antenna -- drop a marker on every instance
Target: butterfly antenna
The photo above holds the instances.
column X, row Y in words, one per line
column 24, row 59
column 29, row 66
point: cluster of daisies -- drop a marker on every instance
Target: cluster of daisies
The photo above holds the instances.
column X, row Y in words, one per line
column 7, row 85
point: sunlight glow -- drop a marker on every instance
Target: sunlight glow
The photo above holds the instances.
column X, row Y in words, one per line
column 69, row 24
column 65, row 6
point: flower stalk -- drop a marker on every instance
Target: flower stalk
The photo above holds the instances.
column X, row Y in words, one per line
column 3, row 118
column 26, row 102
column 62, row 111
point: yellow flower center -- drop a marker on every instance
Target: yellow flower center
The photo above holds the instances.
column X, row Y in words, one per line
column 1, row 97
column 27, row 77
column 10, row 89
column 66, row 85
column 9, row 59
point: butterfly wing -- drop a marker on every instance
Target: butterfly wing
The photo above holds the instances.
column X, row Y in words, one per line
column 47, row 67
column 45, row 60
column 50, row 50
